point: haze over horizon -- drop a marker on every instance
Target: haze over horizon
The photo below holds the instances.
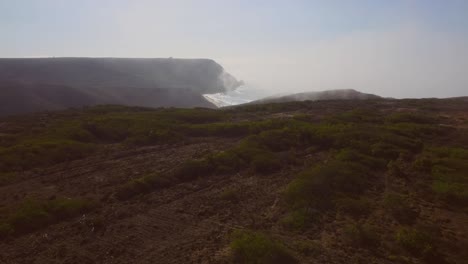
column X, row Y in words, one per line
column 390, row 48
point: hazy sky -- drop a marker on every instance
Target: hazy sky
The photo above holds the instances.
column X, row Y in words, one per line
column 398, row 48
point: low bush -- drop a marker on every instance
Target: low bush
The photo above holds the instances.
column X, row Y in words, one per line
column 309, row 248
column 7, row 177
column 265, row 163
column 227, row 162
column 143, row 185
column 231, row 195
column 257, row 248
column 298, row 219
column 364, row 235
column 315, row 186
column 415, row 241
column 448, row 167
column 193, row 169
column 354, row 207
column 34, row 154
column 351, row 155
column 33, row 214
column 218, row 129
column 408, row 117
column 5, row 230
column 397, row 206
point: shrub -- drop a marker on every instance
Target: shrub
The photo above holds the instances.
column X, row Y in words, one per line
column 33, row 215
column 193, row 169
column 143, row 185
column 7, row 177
column 30, row 216
column 452, row 192
column 415, row 241
column 37, row 153
column 315, row 186
column 385, row 150
column 310, row 189
column 309, row 248
column 350, row 155
column 407, row 117
column 298, row 219
column 218, row 129
column 354, row 207
column 364, row 235
column 227, row 161
column 5, row 230
column 109, row 129
column 67, row 208
column 447, row 167
column 231, row 195
column 397, row 206
column 265, row 163
column 257, row 248
column 153, row 136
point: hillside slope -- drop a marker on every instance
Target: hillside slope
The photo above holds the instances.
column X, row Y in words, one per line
column 379, row 181
column 343, row 94
column 28, row 85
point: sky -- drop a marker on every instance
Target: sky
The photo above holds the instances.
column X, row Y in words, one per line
column 397, row 48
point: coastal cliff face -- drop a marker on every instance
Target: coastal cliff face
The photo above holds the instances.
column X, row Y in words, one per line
column 42, row 84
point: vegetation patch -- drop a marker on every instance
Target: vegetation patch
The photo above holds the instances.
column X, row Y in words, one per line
column 257, row 248
column 397, row 206
column 33, row 214
column 355, row 207
column 143, row 185
column 315, row 187
column 416, row 241
column 364, row 235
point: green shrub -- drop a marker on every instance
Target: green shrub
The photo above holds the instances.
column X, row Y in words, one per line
column 279, row 139
column 30, row 216
column 387, row 151
column 193, row 169
column 415, row 241
column 218, row 129
column 193, row 116
column 154, row 136
column 231, row 195
column 364, row 235
column 143, row 185
column 397, row 206
column 350, row 155
column 452, row 192
column 7, row 177
column 309, row 248
column 315, row 186
column 34, row 154
column 357, row 116
column 5, row 230
column 257, row 248
column 67, row 208
column 265, row 163
column 227, row 161
column 408, row 117
column 354, row 207
column 298, row 219
column 448, row 167
column 109, row 129
column 33, row 214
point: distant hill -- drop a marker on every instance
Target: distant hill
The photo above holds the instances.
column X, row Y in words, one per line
column 29, row 85
column 344, row 94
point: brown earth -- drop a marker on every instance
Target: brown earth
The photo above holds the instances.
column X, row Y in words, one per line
column 191, row 222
